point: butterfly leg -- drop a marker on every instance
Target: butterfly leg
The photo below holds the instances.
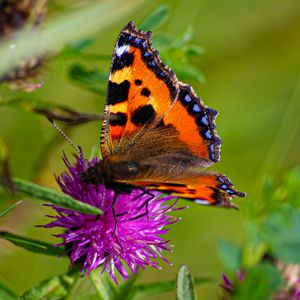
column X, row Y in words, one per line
column 115, row 218
column 82, row 190
column 148, row 200
column 146, row 203
column 114, row 213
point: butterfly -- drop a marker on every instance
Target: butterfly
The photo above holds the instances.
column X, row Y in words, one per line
column 156, row 133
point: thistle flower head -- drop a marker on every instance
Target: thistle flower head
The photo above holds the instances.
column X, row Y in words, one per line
column 289, row 272
column 136, row 240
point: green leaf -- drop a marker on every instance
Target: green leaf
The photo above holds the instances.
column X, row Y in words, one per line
column 260, row 282
column 161, row 41
column 230, row 255
column 80, row 45
column 103, row 285
column 10, row 208
column 253, row 253
column 52, row 196
column 53, row 288
column 188, row 72
column 127, row 290
column 154, row 288
column 155, row 18
column 193, row 50
column 6, row 293
column 31, row 244
column 88, row 79
column 183, row 39
column 268, row 188
column 281, row 232
column 185, row 285
column 89, row 297
column 79, row 73
column 290, row 191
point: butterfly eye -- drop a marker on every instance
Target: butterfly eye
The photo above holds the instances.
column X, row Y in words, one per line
column 84, row 177
column 92, row 171
column 132, row 167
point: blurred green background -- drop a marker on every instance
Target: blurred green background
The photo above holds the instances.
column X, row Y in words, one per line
column 251, row 66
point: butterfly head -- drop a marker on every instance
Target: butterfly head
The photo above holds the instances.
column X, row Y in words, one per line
column 92, row 175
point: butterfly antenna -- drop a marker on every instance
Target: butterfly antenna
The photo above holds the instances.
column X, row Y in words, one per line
column 66, row 138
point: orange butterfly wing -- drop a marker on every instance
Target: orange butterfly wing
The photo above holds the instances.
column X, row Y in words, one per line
column 140, row 90
column 195, row 124
column 159, row 125
column 201, row 188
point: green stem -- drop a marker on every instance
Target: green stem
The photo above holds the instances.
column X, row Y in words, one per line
column 73, row 287
column 95, row 282
column 104, row 288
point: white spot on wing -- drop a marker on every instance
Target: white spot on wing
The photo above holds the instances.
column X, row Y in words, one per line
column 203, row 202
column 121, row 50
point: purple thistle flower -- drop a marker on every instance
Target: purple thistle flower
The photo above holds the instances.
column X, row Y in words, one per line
column 93, row 241
column 228, row 286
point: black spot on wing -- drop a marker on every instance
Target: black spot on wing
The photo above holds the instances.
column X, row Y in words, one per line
column 138, row 82
column 117, row 119
column 143, row 115
column 161, row 124
column 153, row 62
column 125, row 60
column 117, row 93
column 131, row 35
column 145, row 92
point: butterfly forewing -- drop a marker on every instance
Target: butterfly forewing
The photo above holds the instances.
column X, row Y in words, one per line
column 140, row 90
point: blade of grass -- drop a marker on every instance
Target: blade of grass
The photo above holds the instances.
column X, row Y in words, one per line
column 32, row 244
column 56, row 287
column 52, row 196
column 10, row 208
column 155, row 18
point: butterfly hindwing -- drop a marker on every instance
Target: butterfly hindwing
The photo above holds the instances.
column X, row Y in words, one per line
column 195, row 125
column 201, row 188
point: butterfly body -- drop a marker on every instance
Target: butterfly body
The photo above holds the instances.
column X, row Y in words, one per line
column 157, row 134
column 107, row 172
